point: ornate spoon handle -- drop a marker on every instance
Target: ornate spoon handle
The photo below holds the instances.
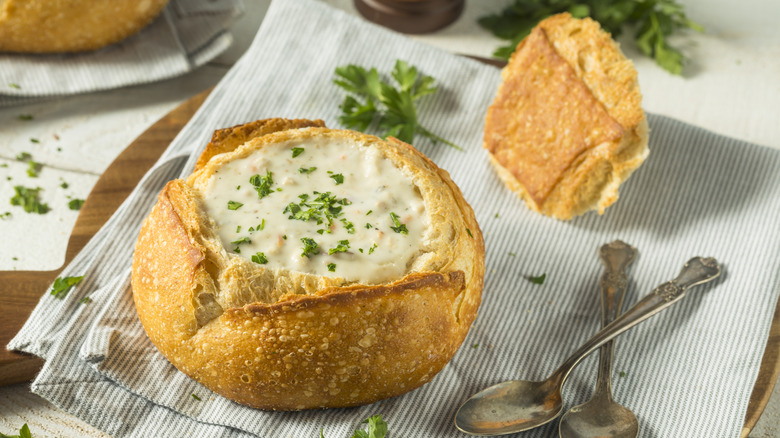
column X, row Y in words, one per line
column 696, row 271
column 616, row 257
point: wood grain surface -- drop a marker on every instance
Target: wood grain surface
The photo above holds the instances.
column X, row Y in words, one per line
column 23, row 289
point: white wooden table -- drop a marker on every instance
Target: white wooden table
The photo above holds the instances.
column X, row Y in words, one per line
column 732, row 87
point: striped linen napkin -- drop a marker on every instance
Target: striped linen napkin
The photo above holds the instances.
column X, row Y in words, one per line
column 687, row 372
column 186, row 35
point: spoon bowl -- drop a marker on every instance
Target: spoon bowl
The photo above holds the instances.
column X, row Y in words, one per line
column 510, row 407
column 599, row 417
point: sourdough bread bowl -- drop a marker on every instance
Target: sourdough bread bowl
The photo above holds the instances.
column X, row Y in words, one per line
column 56, row 26
column 350, row 272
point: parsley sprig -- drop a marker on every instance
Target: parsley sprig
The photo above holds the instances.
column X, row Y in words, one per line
column 63, row 285
column 29, row 199
column 24, row 432
column 377, row 428
column 391, row 109
column 654, row 21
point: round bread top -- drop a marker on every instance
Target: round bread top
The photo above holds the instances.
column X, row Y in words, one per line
column 327, row 205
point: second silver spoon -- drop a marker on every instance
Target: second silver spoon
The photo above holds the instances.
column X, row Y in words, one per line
column 601, row 415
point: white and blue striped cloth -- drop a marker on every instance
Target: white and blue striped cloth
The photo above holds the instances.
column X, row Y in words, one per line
column 186, row 35
column 688, row 372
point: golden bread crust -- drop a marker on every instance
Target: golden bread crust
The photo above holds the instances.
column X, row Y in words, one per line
column 566, row 126
column 56, row 26
column 282, row 340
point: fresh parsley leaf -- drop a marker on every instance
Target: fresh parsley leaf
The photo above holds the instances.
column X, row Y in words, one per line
column 262, row 184
column 307, row 170
column 5, row 215
column 377, row 428
column 369, row 226
column 310, row 247
column 536, row 279
column 33, row 168
column 655, row 20
column 195, row 397
column 23, row 156
column 24, row 432
column 373, row 247
column 332, row 267
column 349, row 226
column 259, row 258
column 390, row 109
column 241, row 241
column 343, row 246
column 469, row 231
column 75, row 204
column 64, row 185
column 29, row 199
column 339, row 178
column 34, row 140
column 262, row 225
column 234, row 205
column 622, row 374
column 296, row 152
column 399, row 227
column 25, row 117
column 63, row 285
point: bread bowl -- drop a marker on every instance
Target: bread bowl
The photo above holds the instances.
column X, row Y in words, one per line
column 285, row 331
column 56, row 26
column 566, row 127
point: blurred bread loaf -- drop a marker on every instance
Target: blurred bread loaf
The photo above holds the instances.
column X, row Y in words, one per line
column 57, row 26
column 566, row 127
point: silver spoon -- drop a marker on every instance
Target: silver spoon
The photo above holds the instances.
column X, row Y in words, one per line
column 601, row 416
column 517, row 405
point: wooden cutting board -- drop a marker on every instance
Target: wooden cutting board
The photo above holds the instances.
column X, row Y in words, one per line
column 23, row 289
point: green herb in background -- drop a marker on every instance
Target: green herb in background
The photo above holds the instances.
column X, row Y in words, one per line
column 24, row 432
column 654, row 21
column 63, row 285
column 377, row 428
column 392, row 110
column 537, row 279
column 13, row 85
column 75, row 204
column 29, row 199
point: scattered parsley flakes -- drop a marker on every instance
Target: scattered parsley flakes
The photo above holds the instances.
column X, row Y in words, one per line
column 75, row 204
column 469, row 231
column 5, row 215
column 238, row 229
column 310, row 247
column 399, row 227
column 25, row 117
column 536, row 280
column 622, row 374
column 14, row 85
column 496, row 215
column 34, row 140
column 195, row 397
column 259, row 258
column 339, row 178
column 23, row 156
column 85, row 300
column 64, row 185
column 373, row 247
column 240, row 242
column 262, row 225
column 332, row 267
column 475, row 346
column 234, row 205
column 511, row 254
column 63, row 285
column 28, row 198
column 296, row 152
column 4, row 165
column 306, row 171
column 284, row 236
column 33, row 168
column 349, row 226
column 262, row 184
column 369, row 212
column 369, row 226
column 343, row 246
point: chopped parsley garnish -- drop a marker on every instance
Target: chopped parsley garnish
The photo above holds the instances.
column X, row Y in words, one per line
column 322, row 231
column 622, row 374
column 239, row 242
column 373, row 247
column 349, row 226
column 34, row 140
column 469, row 231
column 75, row 204
column 296, row 152
column 339, row 178
column 25, row 117
column 238, row 229
column 234, row 205
column 284, row 237
column 85, row 300
column 343, row 246
column 64, row 185
column 63, row 285
column 361, row 250
column 29, row 199
column 325, row 207
column 399, row 227
column 262, row 225
column 332, row 267
column 369, row 226
column 13, row 85
column 307, row 171
column 33, row 168
column 259, row 258
column 262, row 184
column 195, row 397
column 310, row 247
column 511, row 254
column 536, row 280
column 5, row 215
column 496, row 215
column 369, row 212
column 475, row 346
column 23, row 156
